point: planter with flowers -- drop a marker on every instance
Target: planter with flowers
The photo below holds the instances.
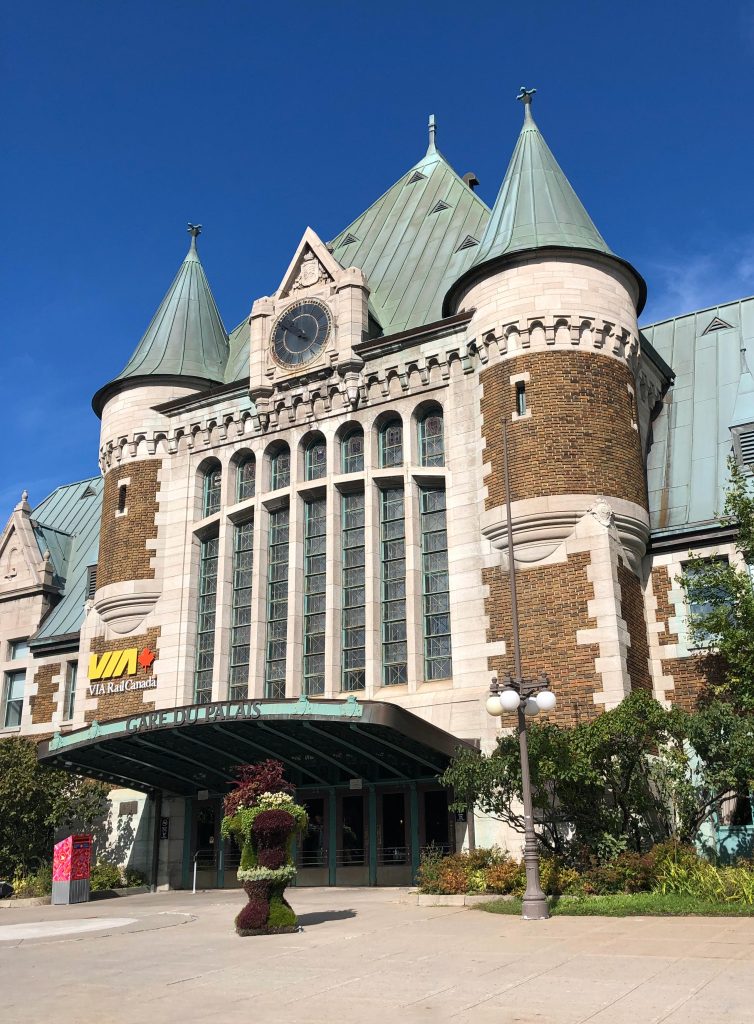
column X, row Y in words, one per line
column 262, row 815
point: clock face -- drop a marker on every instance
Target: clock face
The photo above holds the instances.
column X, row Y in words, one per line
column 301, row 332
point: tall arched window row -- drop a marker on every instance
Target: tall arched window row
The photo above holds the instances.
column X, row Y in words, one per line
column 205, row 629
column 391, row 443
column 246, row 473
column 211, row 495
column 280, row 468
column 352, row 451
column 240, row 633
column 277, row 604
column 432, row 439
column 315, row 458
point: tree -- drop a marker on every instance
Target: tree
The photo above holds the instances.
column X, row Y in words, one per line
column 721, row 625
column 592, row 783
column 35, row 802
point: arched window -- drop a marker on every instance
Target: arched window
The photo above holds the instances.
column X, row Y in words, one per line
column 316, row 459
column 280, row 468
column 391, row 443
column 352, row 451
column 212, row 483
column 246, row 478
column 431, row 439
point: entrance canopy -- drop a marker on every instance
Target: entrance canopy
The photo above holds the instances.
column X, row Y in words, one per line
column 195, row 748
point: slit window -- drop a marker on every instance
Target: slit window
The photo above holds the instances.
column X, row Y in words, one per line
column 122, row 496
column 69, row 702
column 520, row 398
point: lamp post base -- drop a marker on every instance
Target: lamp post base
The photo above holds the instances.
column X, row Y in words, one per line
column 534, row 908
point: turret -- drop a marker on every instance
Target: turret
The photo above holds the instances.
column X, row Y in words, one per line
column 555, row 318
column 183, row 351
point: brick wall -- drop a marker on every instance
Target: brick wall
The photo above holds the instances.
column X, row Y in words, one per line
column 632, row 613
column 579, row 438
column 692, row 674
column 123, row 552
column 661, row 586
column 42, row 704
column 552, row 606
column 131, row 702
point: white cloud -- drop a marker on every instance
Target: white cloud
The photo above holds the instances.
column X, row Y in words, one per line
column 682, row 283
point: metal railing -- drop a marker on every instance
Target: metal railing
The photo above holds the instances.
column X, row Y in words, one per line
column 393, row 855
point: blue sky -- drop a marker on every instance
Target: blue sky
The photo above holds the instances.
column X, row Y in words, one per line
column 124, row 121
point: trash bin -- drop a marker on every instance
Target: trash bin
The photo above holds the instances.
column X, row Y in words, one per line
column 70, row 870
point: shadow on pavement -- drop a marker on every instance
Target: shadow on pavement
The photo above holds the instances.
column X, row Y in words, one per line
column 326, row 915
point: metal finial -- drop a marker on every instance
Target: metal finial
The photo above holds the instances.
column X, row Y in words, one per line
column 525, row 95
column 432, row 134
column 24, row 495
column 194, row 230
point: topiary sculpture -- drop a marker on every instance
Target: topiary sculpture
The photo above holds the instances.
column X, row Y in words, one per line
column 265, row 830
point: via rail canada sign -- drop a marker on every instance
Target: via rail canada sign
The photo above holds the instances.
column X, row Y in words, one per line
column 115, row 664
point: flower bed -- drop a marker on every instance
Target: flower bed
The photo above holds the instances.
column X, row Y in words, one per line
column 666, row 869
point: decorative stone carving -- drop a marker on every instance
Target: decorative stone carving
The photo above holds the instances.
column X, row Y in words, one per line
column 603, row 513
column 311, row 273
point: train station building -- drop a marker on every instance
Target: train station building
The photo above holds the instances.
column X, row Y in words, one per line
column 296, row 545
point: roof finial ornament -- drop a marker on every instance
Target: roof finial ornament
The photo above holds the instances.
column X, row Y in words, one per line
column 431, row 148
column 194, row 230
column 525, row 95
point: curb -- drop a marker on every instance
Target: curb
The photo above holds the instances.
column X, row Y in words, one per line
column 426, row 900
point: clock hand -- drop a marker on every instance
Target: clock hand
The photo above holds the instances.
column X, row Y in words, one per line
column 293, row 329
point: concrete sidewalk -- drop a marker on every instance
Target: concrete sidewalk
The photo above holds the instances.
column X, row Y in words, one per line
column 364, row 956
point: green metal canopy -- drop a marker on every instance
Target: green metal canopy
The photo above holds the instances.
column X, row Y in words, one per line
column 321, row 743
column 186, row 338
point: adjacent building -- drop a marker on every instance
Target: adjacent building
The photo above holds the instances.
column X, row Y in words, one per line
column 296, row 547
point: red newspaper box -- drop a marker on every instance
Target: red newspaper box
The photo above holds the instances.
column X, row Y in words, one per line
column 70, row 869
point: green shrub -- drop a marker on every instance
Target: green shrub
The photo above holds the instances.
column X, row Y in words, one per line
column 628, row 872
column 705, row 881
column 35, row 884
column 105, row 876
column 132, row 877
column 504, row 877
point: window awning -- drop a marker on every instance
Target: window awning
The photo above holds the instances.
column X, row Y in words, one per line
column 195, row 748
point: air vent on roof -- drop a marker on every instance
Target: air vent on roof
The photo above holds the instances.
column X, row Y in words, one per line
column 348, row 239
column 468, row 243
column 89, row 492
column 716, row 324
column 747, row 447
column 416, row 176
column 439, row 207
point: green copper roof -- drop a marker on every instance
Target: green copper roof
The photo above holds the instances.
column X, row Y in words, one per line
column 186, row 337
column 418, row 238
column 536, row 206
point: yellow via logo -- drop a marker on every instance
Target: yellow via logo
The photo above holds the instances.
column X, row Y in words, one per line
column 112, row 664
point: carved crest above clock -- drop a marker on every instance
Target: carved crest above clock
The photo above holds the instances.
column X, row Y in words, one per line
column 312, row 268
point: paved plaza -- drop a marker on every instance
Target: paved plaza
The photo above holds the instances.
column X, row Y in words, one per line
column 365, row 956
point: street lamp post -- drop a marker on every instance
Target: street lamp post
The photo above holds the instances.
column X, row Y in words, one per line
column 527, row 697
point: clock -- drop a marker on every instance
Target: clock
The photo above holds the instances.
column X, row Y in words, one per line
column 301, row 332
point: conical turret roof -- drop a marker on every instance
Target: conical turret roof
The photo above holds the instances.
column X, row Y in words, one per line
column 186, row 337
column 536, row 208
column 536, row 205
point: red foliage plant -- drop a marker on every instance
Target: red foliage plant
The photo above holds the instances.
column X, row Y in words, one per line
column 253, row 780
